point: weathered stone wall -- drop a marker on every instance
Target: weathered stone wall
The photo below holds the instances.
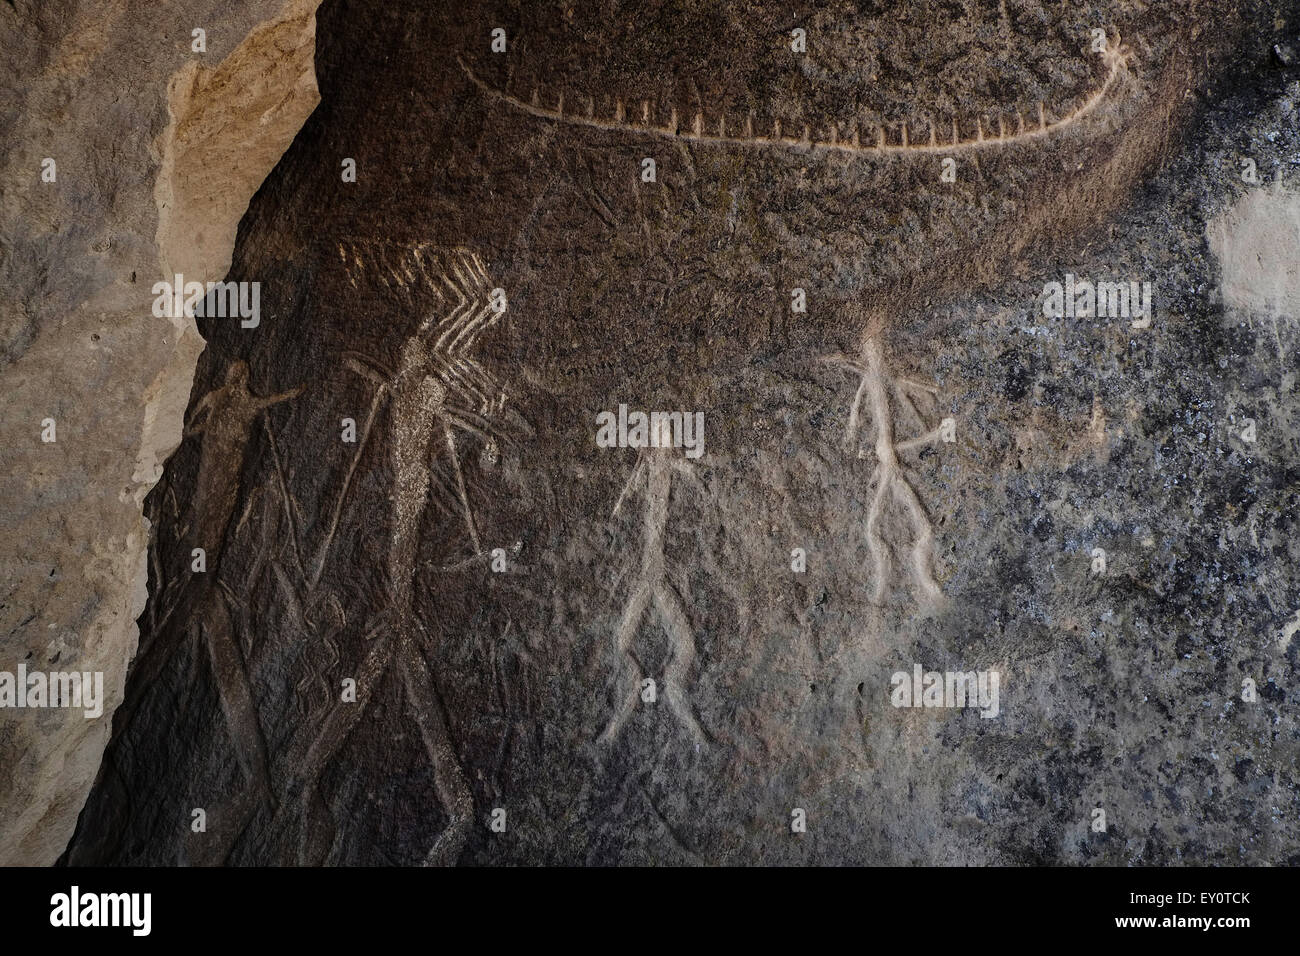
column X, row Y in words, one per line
column 157, row 151
column 496, row 583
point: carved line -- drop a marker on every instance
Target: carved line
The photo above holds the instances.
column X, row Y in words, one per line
column 1116, row 57
column 655, row 471
column 889, row 477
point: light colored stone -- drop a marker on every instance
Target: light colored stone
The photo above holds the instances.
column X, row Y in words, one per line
column 158, row 151
column 1257, row 243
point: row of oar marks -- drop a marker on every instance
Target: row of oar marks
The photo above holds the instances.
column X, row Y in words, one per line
column 1000, row 127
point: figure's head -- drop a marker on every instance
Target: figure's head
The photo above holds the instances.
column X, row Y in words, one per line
column 237, row 373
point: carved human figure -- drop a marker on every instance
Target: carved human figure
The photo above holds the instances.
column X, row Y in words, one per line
column 876, row 385
column 226, row 428
column 654, row 471
column 224, row 417
column 429, row 394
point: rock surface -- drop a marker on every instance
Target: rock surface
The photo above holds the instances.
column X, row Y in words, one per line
column 156, row 150
column 446, row 624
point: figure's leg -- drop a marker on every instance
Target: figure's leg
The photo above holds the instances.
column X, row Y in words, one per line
column 148, row 665
column 627, row 630
column 460, row 485
column 317, row 830
column 628, row 485
column 875, row 544
column 227, row 820
column 236, row 696
column 448, row 777
column 682, row 659
column 338, row 724
column 334, row 731
column 923, row 546
column 322, row 552
column 886, row 460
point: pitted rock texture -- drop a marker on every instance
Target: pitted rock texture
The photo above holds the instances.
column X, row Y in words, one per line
column 431, row 596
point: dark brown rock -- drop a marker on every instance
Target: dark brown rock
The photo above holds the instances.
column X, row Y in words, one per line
column 498, row 586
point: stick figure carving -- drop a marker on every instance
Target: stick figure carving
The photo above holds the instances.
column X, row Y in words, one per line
column 436, row 382
column 429, row 394
column 875, row 386
column 230, row 411
column 655, row 469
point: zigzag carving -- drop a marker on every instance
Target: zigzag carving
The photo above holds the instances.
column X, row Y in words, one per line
column 455, row 276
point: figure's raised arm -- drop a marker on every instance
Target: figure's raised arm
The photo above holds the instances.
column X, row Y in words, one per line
column 276, row 399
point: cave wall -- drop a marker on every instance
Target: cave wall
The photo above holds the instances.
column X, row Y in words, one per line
column 393, row 475
column 157, row 151
column 496, row 585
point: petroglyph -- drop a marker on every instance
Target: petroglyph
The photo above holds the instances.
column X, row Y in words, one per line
column 230, row 412
column 322, row 551
column 235, row 691
column 516, row 696
column 436, row 379
column 392, row 645
column 654, row 470
column 875, row 386
column 321, row 620
column 886, row 139
column 408, row 682
column 458, row 281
